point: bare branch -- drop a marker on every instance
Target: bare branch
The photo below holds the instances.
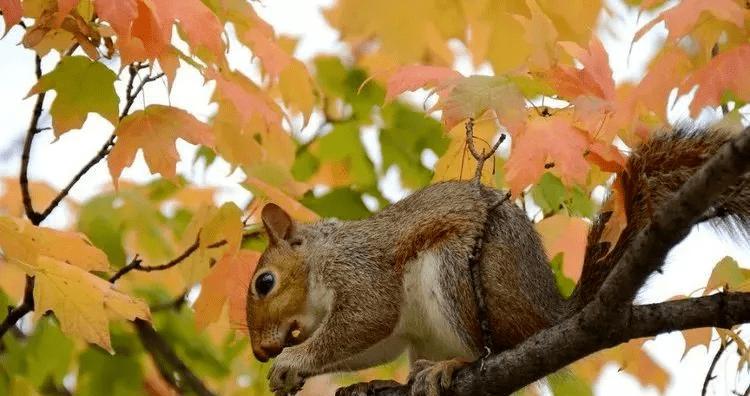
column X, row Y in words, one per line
column 171, row 367
column 33, row 216
column 15, row 314
column 710, row 374
column 130, row 97
column 136, row 263
column 483, row 156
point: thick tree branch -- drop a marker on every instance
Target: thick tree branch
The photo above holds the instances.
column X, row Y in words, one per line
column 610, row 319
column 554, row 348
column 669, row 225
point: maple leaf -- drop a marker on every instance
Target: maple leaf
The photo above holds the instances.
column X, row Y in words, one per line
column 227, row 281
column 665, row 72
column 593, row 79
column 82, row 302
column 119, row 13
column 246, row 98
column 82, row 86
column 409, row 35
column 726, row 274
column 211, row 226
column 12, row 12
column 724, row 74
column 148, row 37
column 696, row 337
column 684, row 16
column 409, row 78
column 279, row 197
column 11, row 201
column 475, row 94
column 547, row 141
column 154, row 130
column 264, row 46
column 22, row 241
column 564, row 234
column 607, row 156
column 541, row 36
column 297, row 89
column 201, row 26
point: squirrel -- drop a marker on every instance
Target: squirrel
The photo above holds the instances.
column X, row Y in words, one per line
column 337, row 296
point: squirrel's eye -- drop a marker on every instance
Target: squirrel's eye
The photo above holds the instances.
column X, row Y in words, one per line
column 295, row 242
column 264, row 283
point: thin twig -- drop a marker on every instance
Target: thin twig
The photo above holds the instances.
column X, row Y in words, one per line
column 483, row 156
column 710, row 374
column 33, row 216
column 130, row 97
column 15, row 314
column 136, row 264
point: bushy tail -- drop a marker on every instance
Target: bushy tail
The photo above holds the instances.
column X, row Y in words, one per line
column 655, row 171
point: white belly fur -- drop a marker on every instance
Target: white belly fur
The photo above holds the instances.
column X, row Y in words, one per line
column 422, row 322
column 422, row 328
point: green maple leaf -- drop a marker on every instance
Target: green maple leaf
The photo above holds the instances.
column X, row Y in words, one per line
column 83, row 86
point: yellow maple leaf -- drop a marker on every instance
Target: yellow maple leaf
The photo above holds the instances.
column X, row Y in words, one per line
column 81, row 301
column 23, row 241
column 223, row 227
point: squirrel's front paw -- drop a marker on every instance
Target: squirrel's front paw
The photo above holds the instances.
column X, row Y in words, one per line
column 285, row 376
column 429, row 378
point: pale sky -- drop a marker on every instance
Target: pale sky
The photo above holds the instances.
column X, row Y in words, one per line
column 688, row 265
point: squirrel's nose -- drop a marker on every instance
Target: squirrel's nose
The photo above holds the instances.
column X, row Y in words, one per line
column 267, row 349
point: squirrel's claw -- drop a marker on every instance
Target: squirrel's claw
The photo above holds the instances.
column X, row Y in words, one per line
column 365, row 388
column 285, row 377
column 429, row 378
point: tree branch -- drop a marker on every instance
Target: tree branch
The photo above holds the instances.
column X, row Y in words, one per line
column 33, row 216
column 669, row 225
column 171, row 367
column 15, row 314
column 554, row 348
column 130, row 97
column 710, row 374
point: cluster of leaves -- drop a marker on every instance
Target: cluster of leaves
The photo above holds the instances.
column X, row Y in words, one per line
column 551, row 92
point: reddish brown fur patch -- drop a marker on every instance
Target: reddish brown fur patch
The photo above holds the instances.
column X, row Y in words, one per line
column 429, row 236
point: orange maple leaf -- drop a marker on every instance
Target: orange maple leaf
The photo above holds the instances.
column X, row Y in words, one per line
column 683, row 17
column 12, row 12
column 227, row 281
column 727, row 72
column 246, row 98
column 409, row 78
column 119, row 13
column 594, row 79
column 154, row 130
column 547, row 142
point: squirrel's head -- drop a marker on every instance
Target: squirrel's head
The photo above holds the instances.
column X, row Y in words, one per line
column 277, row 300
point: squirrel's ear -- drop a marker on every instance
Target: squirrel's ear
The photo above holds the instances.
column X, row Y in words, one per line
column 278, row 224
